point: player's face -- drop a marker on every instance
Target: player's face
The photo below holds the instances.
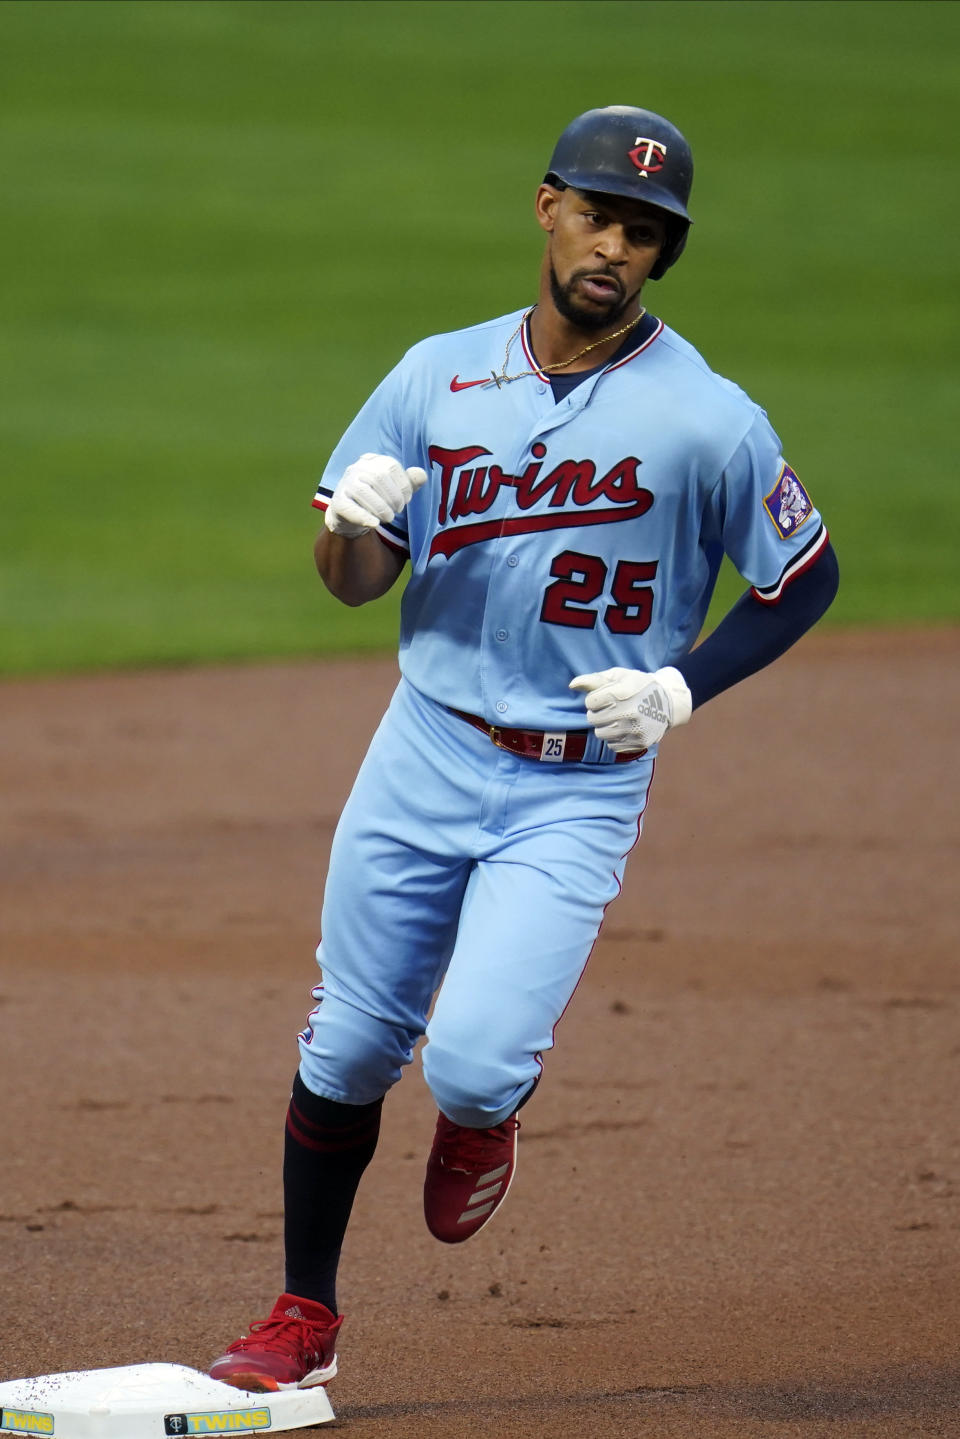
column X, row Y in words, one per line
column 600, row 250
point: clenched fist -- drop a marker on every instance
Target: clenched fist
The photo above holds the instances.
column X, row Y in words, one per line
column 371, row 491
column 632, row 710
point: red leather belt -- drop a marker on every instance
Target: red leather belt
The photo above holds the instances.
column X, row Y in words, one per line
column 554, row 748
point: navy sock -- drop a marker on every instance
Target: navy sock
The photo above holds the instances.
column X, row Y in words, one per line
column 327, row 1147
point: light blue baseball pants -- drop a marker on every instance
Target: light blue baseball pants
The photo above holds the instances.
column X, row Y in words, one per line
column 461, row 866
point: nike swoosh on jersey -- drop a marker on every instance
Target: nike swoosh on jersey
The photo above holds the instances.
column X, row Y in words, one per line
column 457, row 384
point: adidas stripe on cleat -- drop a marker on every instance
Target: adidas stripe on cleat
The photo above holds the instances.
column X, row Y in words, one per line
column 468, row 1175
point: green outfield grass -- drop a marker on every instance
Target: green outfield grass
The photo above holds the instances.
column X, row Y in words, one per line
column 224, row 221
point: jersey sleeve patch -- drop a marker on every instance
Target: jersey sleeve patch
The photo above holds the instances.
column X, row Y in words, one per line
column 788, row 504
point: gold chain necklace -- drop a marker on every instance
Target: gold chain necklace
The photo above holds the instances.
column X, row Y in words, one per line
column 504, row 379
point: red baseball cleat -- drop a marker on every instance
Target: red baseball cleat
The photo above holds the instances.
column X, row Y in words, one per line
column 294, row 1348
column 468, row 1174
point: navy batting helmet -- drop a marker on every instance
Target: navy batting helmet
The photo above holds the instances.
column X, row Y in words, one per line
column 621, row 150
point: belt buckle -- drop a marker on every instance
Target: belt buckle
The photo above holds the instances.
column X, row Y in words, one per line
column 496, row 737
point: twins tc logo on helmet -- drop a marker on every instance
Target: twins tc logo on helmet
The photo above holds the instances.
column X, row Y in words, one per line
column 788, row 503
column 648, row 155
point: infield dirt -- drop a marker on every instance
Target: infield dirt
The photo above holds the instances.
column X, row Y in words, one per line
column 737, row 1208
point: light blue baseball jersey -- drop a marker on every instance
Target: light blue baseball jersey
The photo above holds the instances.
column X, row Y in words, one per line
column 555, row 539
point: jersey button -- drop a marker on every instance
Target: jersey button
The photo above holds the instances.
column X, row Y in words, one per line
column 541, row 389
column 503, row 634
column 502, row 707
column 513, row 561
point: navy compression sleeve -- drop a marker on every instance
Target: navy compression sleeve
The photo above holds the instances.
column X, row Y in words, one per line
column 753, row 634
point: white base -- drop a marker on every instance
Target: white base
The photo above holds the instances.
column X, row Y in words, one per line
column 150, row 1401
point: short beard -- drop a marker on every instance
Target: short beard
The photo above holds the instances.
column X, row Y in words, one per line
column 590, row 320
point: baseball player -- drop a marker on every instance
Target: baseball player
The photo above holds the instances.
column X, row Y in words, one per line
column 563, row 483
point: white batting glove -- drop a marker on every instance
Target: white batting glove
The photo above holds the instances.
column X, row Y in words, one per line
column 632, row 710
column 371, row 491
